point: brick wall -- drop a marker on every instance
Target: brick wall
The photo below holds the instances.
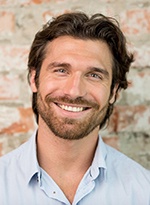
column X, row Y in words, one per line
column 20, row 19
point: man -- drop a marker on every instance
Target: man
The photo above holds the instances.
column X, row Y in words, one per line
column 77, row 65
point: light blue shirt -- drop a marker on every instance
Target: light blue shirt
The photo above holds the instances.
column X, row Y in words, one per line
column 112, row 179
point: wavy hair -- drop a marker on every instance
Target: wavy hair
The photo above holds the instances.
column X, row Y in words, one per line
column 79, row 25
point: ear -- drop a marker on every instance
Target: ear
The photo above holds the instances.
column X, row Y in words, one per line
column 114, row 94
column 32, row 81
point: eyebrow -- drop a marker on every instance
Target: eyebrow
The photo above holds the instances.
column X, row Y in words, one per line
column 90, row 69
column 57, row 64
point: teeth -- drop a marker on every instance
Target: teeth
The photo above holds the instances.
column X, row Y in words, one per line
column 72, row 109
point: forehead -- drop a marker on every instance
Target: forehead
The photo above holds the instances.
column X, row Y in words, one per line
column 86, row 51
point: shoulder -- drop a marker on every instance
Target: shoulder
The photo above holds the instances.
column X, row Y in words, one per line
column 12, row 157
column 126, row 168
column 20, row 154
column 17, row 158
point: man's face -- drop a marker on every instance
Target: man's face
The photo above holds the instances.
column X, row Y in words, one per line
column 74, row 86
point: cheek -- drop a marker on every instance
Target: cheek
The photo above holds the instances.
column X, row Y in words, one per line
column 101, row 96
column 49, row 86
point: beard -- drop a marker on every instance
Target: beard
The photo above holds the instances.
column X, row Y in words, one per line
column 70, row 128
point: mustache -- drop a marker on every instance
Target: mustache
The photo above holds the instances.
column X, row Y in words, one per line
column 66, row 99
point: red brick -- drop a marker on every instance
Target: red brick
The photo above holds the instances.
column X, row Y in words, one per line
column 13, row 58
column 142, row 55
column 1, row 147
column 22, row 122
column 23, row 2
column 136, row 21
column 138, row 90
column 47, row 15
column 9, row 87
column 27, row 118
column 130, row 119
column 8, row 2
column 38, row 2
column 7, row 22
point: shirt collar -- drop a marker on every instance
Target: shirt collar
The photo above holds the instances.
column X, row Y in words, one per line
column 99, row 161
column 32, row 168
column 29, row 160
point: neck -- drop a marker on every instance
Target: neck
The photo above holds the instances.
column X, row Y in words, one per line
column 65, row 154
column 66, row 161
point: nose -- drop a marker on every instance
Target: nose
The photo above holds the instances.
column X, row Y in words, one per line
column 74, row 86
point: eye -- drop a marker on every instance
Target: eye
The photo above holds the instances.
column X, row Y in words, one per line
column 95, row 76
column 60, row 70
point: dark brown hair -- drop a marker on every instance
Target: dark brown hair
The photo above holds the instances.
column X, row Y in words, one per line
column 79, row 25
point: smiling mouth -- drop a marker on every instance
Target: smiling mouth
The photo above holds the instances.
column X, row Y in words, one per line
column 72, row 108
